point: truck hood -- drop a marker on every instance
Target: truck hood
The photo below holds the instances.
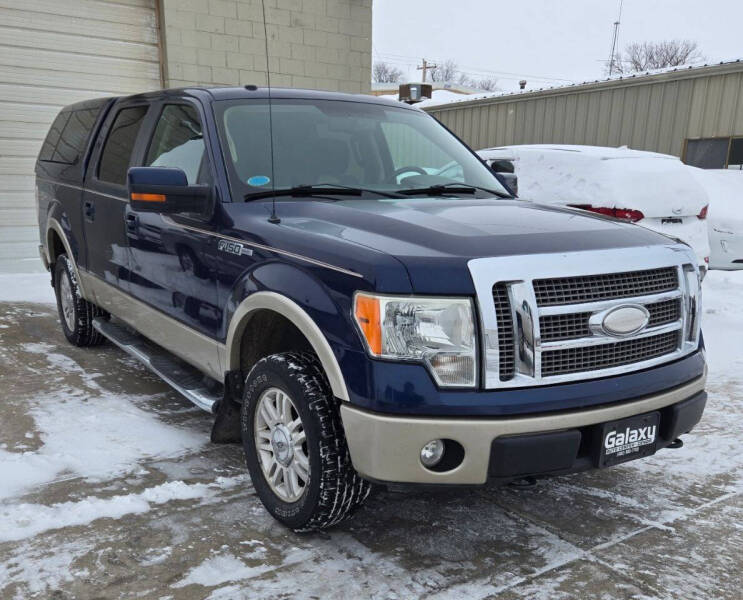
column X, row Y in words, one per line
column 434, row 238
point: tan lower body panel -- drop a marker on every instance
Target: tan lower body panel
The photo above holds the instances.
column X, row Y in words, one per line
column 198, row 350
column 387, row 448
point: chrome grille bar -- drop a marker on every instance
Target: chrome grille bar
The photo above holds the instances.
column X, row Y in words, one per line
column 596, row 357
column 568, row 326
column 587, row 288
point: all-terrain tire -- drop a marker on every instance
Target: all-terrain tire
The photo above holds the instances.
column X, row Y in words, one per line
column 334, row 489
column 79, row 331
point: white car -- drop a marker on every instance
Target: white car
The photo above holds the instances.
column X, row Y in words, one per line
column 725, row 219
column 656, row 191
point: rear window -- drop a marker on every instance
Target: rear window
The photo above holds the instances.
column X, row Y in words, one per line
column 117, row 153
column 68, row 136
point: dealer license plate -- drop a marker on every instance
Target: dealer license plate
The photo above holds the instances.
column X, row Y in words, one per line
column 634, row 437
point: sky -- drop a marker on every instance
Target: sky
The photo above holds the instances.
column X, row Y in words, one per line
column 546, row 42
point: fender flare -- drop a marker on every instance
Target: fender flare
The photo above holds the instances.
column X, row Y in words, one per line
column 298, row 316
column 53, row 225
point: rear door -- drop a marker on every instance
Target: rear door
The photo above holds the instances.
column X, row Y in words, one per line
column 172, row 258
column 105, row 197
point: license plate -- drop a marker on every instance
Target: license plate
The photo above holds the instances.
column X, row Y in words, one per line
column 634, row 437
column 671, row 220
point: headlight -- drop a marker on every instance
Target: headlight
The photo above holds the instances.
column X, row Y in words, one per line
column 439, row 332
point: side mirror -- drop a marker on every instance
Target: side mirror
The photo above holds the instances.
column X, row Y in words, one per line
column 509, row 180
column 165, row 190
column 512, row 182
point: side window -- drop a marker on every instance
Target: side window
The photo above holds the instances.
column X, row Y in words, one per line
column 178, row 142
column 55, row 132
column 74, row 138
column 117, row 152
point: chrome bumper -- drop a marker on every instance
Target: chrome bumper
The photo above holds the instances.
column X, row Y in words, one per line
column 387, row 448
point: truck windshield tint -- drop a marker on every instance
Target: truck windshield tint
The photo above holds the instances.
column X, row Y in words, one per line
column 352, row 144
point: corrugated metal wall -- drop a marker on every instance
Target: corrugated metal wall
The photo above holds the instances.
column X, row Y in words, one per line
column 53, row 53
column 653, row 112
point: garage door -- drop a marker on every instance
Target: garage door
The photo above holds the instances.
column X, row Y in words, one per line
column 53, row 53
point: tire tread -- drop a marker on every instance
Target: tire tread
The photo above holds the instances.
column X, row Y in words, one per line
column 84, row 334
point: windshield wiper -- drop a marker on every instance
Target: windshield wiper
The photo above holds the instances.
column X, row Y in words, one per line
column 319, row 189
column 451, row 188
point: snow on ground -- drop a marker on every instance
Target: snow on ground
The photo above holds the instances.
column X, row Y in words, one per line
column 27, row 520
column 26, row 287
column 89, row 437
column 113, row 485
column 722, row 324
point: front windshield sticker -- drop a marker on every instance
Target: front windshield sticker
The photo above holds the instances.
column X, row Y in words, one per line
column 258, row 180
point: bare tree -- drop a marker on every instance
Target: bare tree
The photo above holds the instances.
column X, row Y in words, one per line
column 647, row 56
column 486, row 84
column 446, row 71
column 385, row 73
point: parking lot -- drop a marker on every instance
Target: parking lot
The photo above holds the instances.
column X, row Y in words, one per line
column 111, row 489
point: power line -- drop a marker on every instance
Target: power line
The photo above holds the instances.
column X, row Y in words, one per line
column 401, row 59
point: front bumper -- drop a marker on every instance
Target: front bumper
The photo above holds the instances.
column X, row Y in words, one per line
column 386, row 448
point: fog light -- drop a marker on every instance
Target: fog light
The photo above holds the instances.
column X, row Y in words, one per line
column 432, row 453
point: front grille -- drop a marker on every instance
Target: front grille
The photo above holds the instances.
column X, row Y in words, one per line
column 593, row 288
column 664, row 312
column 605, row 356
column 564, row 327
column 575, row 325
column 506, row 346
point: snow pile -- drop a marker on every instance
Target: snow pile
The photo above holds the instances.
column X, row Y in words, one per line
column 725, row 218
column 657, row 184
column 722, row 323
column 26, row 287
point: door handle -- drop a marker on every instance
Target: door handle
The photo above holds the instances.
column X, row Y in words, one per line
column 89, row 210
column 132, row 221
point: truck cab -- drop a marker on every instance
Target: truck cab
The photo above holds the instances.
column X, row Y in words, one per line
column 308, row 267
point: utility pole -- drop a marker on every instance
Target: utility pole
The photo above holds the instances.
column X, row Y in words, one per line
column 615, row 39
column 424, row 67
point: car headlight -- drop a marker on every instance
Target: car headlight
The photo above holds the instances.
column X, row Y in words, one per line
column 439, row 332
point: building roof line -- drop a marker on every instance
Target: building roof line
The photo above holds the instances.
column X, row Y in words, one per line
column 618, row 81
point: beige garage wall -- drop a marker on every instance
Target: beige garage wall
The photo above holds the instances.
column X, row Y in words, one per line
column 316, row 44
column 53, row 53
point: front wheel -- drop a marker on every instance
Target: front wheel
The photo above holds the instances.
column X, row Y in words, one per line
column 294, row 444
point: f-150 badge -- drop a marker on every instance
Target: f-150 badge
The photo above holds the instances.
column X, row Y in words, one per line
column 235, row 248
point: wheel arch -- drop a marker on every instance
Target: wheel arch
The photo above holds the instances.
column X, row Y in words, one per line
column 56, row 241
column 297, row 316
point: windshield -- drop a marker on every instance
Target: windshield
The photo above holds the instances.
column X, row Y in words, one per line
column 351, row 144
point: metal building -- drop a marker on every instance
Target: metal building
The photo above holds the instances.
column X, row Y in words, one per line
column 692, row 112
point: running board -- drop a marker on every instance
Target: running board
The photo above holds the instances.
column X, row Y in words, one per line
column 179, row 375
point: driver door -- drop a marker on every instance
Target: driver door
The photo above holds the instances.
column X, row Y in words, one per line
column 171, row 268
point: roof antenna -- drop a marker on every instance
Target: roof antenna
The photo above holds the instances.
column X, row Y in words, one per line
column 274, row 217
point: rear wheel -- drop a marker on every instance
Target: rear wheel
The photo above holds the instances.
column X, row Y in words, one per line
column 294, row 444
column 75, row 313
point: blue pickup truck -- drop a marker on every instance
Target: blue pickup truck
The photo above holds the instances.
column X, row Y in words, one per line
column 311, row 269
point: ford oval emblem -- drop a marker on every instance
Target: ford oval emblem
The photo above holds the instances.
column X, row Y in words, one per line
column 620, row 321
